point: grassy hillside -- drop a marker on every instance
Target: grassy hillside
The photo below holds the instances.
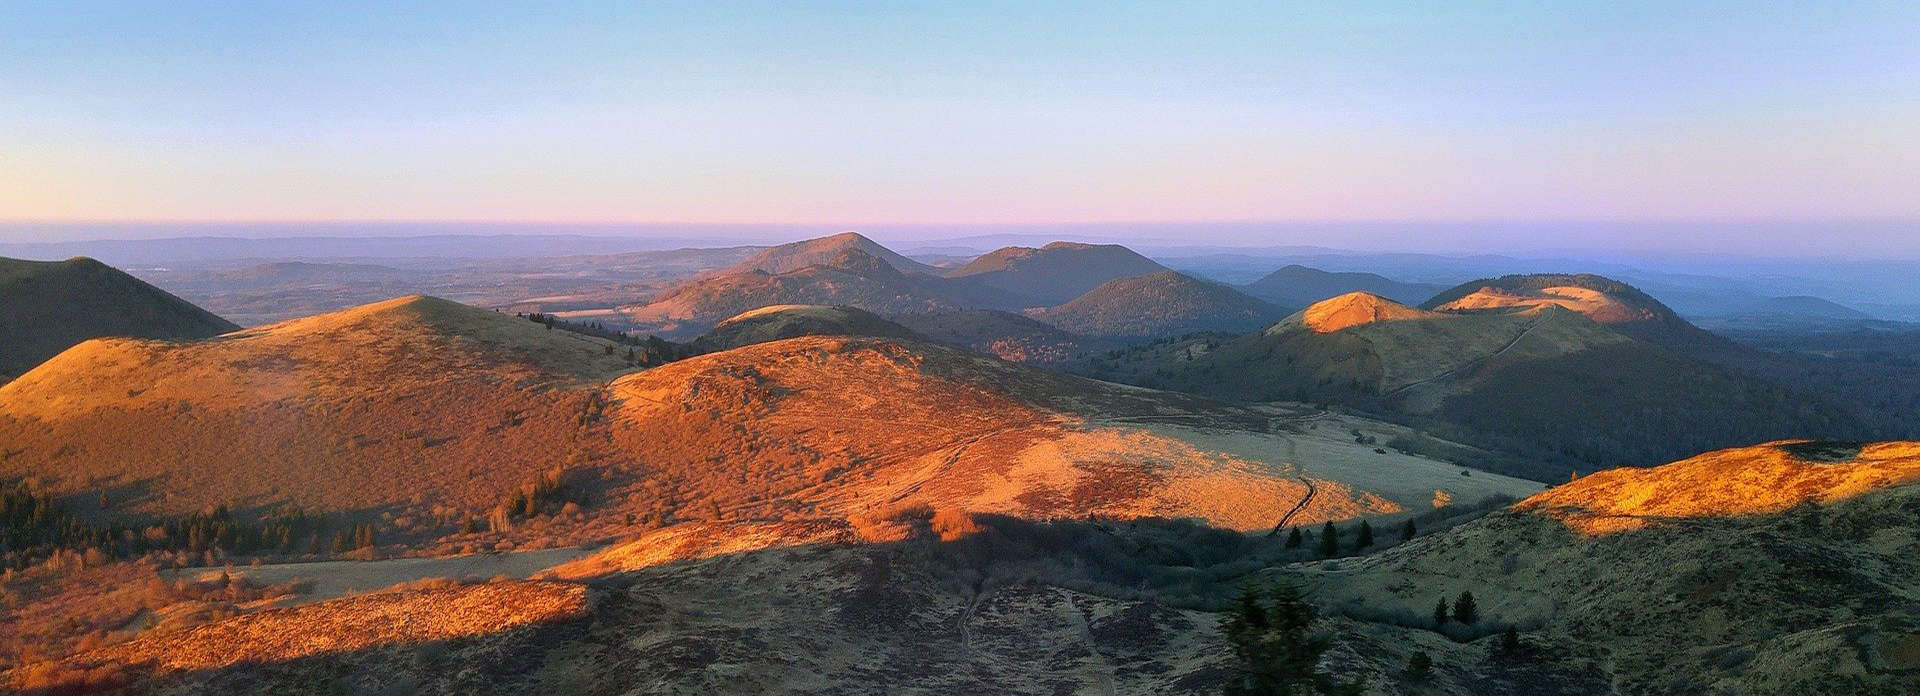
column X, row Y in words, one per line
column 1543, row 384
column 777, row 322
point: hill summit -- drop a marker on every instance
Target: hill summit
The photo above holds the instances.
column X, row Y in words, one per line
column 1355, row 309
column 1057, row 272
column 48, row 306
column 829, row 250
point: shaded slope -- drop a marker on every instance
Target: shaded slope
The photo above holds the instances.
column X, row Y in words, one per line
column 1543, row 382
column 1159, row 304
column 1299, row 286
column 1006, row 335
column 1057, row 272
column 47, row 306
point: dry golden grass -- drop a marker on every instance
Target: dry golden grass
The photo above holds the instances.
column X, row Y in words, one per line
column 1355, row 309
column 417, row 415
column 1747, row 481
column 408, row 616
column 1596, row 305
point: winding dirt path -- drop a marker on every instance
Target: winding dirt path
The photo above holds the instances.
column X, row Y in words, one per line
column 1297, row 507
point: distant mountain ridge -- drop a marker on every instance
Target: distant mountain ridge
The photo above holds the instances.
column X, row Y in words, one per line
column 824, row 251
column 1298, row 286
column 1057, row 272
column 1518, row 364
column 1159, row 304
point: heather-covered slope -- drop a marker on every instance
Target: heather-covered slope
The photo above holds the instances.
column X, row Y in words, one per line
column 47, row 306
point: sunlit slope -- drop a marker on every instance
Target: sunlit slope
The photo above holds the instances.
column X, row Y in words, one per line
column 839, row 425
column 428, row 413
column 1541, row 381
column 1783, row 568
column 48, row 306
column 775, row 322
column 361, row 407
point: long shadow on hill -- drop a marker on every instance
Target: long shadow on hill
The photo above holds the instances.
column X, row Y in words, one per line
column 1600, row 408
column 954, row 614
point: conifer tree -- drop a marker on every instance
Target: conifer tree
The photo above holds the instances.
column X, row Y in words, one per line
column 1440, row 613
column 1464, row 610
column 1329, row 541
column 1407, row 531
column 1510, row 641
column 1293, row 538
column 1270, row 631
column 1419, row 667
column 1365, row 538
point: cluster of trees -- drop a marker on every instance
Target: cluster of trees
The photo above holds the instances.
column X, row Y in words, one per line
column 548, row 493
column 1276, row 650
column 1329, row 538
column 360, row 536
column 649, row 351
column 34, row 525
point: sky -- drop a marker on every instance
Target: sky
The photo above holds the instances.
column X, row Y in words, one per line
column 1743, row 126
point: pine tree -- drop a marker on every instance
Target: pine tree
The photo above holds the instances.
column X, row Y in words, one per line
column 1365, row 538
column 1464, row 610
column 1274, row 647
column 1440, row 613
column 1510, row 641
column 1329, row 541
column 1407, row 531
column 1293, row 538
column 1419, row 667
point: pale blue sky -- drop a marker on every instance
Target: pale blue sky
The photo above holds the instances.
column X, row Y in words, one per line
column 960, row 112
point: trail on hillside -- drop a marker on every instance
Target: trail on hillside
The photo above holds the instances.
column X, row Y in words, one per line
column 1101, row 669
column 1297, row 507
column 1476, row 362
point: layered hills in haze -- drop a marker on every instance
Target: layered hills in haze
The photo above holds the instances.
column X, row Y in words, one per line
column 47, row 306
column 1298, row 286
column 1573, row 371
column 1057, row 272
